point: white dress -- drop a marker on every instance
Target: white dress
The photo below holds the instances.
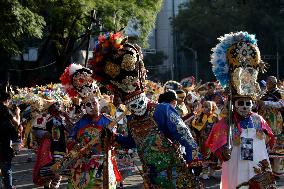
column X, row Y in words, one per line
column 237, row 171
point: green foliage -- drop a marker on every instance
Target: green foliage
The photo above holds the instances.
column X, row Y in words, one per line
column 63, row 25
column 17, row 21
column 142, row 12
column 201, row 22
column 69, row 18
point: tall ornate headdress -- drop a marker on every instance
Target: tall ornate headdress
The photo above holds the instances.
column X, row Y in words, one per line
column 236, row 62
column 118, row 64
column 77, row 81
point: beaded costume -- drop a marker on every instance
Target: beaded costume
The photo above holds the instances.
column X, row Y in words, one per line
column 118, row 65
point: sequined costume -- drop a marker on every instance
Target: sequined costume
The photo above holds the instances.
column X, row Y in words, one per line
column 89, row 169
column 239, row 139
column 274, row 116
column 159, row 136
column 49, row 130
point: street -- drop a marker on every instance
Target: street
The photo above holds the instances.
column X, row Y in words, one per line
column 22, row 176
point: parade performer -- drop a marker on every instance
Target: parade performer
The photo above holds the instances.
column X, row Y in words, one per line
column 118, row 64
column 50, row 131
column 92, row 166
column 181, row 107
column 202, row 125
column 239, row 139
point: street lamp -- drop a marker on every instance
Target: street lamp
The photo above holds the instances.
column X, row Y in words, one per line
column 194, row 52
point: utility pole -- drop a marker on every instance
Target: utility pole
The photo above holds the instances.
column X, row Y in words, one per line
column 174, row 43
column 194, row 52
column 277, row 64
column 89, row 30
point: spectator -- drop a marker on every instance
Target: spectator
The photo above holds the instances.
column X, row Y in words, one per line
column 8, row 133
column 273, row 93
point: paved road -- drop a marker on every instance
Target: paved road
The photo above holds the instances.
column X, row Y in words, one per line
column 22, row 173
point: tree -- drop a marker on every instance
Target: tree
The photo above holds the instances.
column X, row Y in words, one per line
column 17, row 22
column 201, row 22
column 67, row 23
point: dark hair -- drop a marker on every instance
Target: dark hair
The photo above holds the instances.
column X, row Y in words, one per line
column 4, row 96
column 167, row 96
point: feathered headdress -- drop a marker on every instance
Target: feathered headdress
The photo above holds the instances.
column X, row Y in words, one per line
column 118, row 64
column 77, row 81
column 236, row 61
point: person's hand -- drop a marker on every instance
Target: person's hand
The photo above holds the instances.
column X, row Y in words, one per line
column 17, row 110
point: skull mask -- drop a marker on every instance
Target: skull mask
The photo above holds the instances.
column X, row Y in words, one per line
column 243, row 106
column 92, row 106
column 87, row 90
column 83, row 82
column 138, row 106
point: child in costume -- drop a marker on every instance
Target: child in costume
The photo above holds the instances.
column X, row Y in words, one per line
column 202, row 125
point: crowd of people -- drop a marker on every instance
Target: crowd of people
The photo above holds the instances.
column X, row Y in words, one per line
column 90, row 127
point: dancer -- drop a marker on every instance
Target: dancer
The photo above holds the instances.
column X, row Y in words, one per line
column 239, row 139
column 50, row 130
column 158, row 138
column 90, row 159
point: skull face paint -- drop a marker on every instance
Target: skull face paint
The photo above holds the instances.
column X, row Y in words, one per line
column 138, row 106
column 92, row 106
column 243, row 106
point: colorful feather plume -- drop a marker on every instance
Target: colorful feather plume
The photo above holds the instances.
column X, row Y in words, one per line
column 220, row 66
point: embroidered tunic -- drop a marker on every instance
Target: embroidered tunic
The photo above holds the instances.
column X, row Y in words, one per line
column 88, row 170
column 158, row 138
column 249, row 163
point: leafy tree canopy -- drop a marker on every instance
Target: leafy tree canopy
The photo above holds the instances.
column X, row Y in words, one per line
column 69, row 18
column 17, row 21
column 62, row 25
column 201, row 22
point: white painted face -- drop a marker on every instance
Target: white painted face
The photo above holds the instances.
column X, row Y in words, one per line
column 138, row 106
column 243, row 106
column 92, row 106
